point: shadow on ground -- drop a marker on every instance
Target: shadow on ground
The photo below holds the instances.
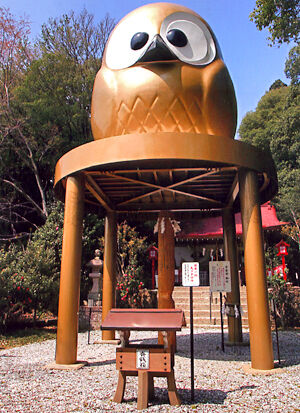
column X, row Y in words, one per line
column 200, row 396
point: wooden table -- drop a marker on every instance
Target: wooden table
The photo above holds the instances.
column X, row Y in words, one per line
column 144, row 360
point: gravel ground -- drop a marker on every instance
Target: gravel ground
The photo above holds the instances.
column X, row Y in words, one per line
column 220, row 382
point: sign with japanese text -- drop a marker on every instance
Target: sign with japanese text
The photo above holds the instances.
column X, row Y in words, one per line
column 190, row 274
column 220, row 276
column 142, row 359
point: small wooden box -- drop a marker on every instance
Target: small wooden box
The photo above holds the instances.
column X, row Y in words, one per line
column 160, row 359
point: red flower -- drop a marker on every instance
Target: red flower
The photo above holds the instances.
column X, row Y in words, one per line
column 18, row 288
column 29, row 300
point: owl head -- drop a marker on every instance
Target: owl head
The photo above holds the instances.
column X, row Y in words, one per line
column 160, row 60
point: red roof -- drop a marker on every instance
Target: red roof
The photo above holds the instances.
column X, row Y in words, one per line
column 211, row 227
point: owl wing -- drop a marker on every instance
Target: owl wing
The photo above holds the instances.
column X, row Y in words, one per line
column 103, row 108
column 219, row 100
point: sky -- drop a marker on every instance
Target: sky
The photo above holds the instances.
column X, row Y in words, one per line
column 253, row 65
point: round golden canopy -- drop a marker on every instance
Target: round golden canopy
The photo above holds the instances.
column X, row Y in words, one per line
column 172, row 171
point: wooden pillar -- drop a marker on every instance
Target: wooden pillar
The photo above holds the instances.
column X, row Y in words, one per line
column 229, row 235
column 68, row 307
column 257, row 293
column 166, row 268
column 109, row 270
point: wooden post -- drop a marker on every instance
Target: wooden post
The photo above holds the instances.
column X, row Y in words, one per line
column 257, row 293
column 166, row 268
column 109, row 270
column 234, row 324
column 67, row 324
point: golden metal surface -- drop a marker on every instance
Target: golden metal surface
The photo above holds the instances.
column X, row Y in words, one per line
column 176, row 171
column 164, row 96
column 109, row 270
column 68, row 307
column 257, row 293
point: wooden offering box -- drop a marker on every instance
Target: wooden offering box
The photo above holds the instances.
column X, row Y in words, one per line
column 144, row 360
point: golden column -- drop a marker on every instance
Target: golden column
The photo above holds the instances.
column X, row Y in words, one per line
column 257, row 293
column 68, row 306
column 166, row 267
column 109, row 269
column 230, row 247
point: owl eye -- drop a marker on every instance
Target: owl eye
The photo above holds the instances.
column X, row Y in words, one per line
column 177, row 38
column 128, row 41
column 188, row 37
column 139, row 40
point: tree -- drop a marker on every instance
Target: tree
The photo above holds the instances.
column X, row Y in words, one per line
column 292, row 66
column 76, row 37
column 15, row 53
column 48, row 115
column 274, row 126
column 280, row 17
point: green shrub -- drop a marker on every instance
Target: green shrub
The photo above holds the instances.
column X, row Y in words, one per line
column 131, row 260
column 128, row 290
column 286, row 302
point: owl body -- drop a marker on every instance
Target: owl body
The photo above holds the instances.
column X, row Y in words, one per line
column 162, row 96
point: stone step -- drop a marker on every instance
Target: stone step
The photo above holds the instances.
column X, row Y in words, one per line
column 201, row 295
column 206, row 313
column 203, row 305
column 203, row 289
column 206, row 321
column 212, row 320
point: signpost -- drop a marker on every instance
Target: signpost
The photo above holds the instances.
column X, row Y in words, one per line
column 153, row 256
column 190, row 278
column 220, row 281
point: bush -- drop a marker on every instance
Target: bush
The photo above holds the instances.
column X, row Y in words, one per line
column 286, row 302
column 131, row 260
column 14, row 294
column 128, row 290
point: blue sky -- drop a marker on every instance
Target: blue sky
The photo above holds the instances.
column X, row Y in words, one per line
column 253, row 65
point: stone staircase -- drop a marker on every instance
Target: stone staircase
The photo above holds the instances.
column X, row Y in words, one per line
column 206, row 313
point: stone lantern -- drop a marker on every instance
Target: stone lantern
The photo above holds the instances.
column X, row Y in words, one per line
column 96, row 264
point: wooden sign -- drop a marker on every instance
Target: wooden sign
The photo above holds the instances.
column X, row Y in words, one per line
column 220, row 276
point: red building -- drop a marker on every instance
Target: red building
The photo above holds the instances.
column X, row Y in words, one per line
column 202, row 240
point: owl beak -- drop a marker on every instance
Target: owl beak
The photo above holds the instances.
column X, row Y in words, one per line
column 157, row 52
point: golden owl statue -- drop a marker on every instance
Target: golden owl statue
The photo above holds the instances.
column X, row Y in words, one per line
column 162, row 71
